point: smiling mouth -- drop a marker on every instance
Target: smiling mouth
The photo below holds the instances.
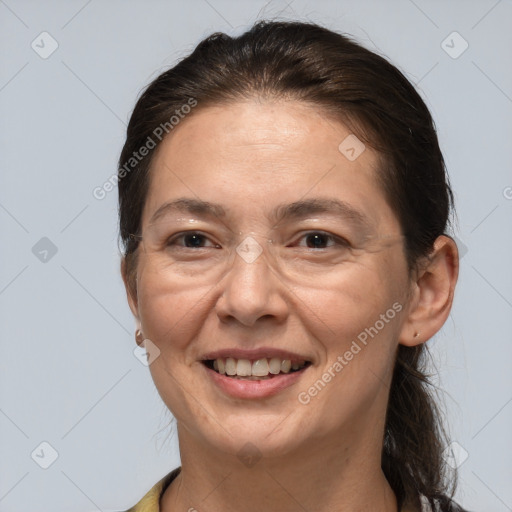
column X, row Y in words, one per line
column 258, row 369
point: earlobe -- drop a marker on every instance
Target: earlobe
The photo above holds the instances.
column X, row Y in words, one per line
column 433, row 293
column 139, row 337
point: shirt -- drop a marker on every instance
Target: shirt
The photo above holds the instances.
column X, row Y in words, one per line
column 151, row 500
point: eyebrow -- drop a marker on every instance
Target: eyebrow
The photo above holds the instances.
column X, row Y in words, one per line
column 283, row 212
column 307, row 207
column 188, row 205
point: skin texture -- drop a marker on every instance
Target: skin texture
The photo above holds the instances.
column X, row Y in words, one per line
column 324, row 455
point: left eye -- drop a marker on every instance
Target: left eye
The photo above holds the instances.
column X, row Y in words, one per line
column 318, row 240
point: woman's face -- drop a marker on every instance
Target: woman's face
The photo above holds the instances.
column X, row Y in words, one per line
column 282, row 249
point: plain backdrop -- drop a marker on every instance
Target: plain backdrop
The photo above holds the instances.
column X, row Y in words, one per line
column 70, row 74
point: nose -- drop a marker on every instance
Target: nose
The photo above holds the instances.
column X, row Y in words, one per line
column 251, row 290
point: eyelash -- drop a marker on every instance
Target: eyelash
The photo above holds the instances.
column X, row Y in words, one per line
column 336, row 239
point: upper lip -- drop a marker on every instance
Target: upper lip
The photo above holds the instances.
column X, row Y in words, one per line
column 259, row 353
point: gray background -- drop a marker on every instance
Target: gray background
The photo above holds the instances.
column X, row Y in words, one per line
column 68, row 374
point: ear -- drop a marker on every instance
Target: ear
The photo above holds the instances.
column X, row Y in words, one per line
column 130, row 286
column 432, row 293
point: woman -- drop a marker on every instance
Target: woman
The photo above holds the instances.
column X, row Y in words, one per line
column 283, row 208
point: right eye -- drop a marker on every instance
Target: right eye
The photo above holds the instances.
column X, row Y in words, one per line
column 190, row 240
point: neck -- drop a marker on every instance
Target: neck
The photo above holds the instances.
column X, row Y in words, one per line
column 321, row 477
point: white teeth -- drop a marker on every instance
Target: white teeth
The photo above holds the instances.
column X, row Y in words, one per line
column 243, row 368
column 286, row 364
column 230, row 366
column 260, row 368
column 274, row 365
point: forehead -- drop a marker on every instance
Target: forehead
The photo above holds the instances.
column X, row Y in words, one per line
column 269, row 151
column 259, row 127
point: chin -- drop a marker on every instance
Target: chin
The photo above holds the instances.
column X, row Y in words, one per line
column 247, row 435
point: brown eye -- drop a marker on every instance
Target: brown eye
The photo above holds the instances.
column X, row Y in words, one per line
column 193, row 240
column 190, row 240
column 317, row 240
column 320, row 240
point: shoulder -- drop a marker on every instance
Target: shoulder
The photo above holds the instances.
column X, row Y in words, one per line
column 150, row 502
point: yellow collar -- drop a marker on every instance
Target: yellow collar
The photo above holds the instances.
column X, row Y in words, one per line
column 151, row 500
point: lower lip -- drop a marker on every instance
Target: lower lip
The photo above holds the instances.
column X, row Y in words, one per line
column 240, row 388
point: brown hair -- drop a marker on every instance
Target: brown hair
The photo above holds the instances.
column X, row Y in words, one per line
column 303, row 61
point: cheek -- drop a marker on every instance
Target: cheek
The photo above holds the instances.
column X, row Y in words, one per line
column 358, row 352
column 171, row 316
column 170, row 312
column 356, row 320
column 353, row 299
